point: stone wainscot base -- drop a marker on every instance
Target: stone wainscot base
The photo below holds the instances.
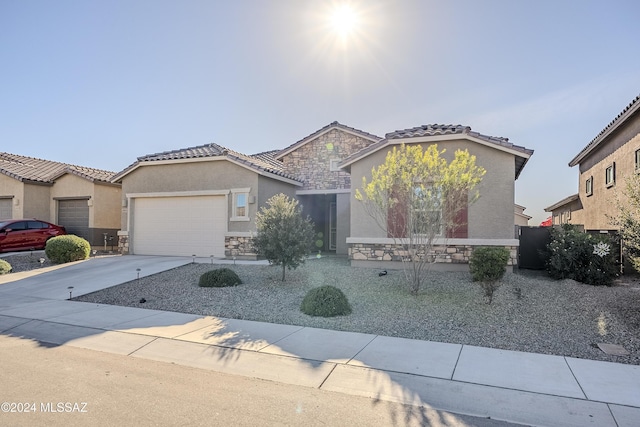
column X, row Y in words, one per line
column 239, row 247
column 449, row 256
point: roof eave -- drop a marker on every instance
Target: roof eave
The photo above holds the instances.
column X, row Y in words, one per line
column 562, row 202
column 321, row 132
column 119, row 177
column 606, row 132
column 524, row 154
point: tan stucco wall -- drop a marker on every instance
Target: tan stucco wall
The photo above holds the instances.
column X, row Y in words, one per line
column 490, row 217
column 107, row 204
column 10, row 187
column 311, row 162
column 603, row 201
column 36, row 202
column 267, row 188
column 570, row 213
column 193, row 176
column 71, row 186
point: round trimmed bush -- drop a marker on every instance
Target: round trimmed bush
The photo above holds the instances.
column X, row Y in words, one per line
column 67, row 248
column 325, row 301
column 5, row 267
column 488, row 264
column 219, row 278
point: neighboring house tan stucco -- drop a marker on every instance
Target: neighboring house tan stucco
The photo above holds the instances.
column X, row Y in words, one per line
column 84, row 200
column 520, row 218
column 604, row 164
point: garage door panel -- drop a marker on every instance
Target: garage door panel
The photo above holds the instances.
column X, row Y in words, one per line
column 6, row 208
column 180, row 226
column 73, row 214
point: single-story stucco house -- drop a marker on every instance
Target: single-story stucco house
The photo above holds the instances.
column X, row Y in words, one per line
column 203, row 200
column 82, row 199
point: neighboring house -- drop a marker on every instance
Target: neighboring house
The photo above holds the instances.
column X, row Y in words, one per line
column 81, row 199
column 520, row 218
column 203, row 200
column 604, row 164
column 567, row 211
column 490, row 220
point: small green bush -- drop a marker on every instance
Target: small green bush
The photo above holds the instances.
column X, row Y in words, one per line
column 573, row 254
column 487, row 266
column 219, row 278
column 5, row 267
column 67, row 248
column 325, row 301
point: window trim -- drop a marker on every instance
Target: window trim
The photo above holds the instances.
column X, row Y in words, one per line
column 235, row 193
column 589, row 186
column 416, row 209
column 333, row 165
column 637, row 160
column 610, row 182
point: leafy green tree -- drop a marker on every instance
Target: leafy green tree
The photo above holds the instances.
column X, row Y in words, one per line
column 628, row 220
column 416, row 197
column 284, row 237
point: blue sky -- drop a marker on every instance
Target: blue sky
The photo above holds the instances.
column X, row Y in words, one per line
column 99, row 83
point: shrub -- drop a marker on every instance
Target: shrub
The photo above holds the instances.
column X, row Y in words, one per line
column 219, row 278
column 67, row 248
column 5, row 267
column 487, row 266
column 572, row 254
column 284, row 236
column 325, row 301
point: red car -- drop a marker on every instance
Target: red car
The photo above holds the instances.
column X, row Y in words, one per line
column 27, row 234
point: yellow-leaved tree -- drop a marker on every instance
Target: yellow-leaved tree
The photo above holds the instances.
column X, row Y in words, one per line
column 417, row 198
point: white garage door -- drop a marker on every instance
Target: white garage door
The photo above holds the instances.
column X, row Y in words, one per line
column 183, row 226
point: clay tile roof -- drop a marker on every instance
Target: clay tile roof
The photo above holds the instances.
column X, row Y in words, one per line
column 435, row 130
column 331, row 125
column 628, row 111
column 262, row 162
column 439, row 130
column 31, row 169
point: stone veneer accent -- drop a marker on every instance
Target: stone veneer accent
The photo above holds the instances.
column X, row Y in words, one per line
column 454, row 254
column 239, row 247
column 311, row 162
column 123, row 242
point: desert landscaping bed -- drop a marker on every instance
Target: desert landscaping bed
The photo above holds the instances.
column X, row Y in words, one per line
column 530, row 312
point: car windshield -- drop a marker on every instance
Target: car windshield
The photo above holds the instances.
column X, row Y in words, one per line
column 3, row 224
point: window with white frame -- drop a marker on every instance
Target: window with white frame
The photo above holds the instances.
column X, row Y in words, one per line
column 427, row 210
column 610, row 175
column 240, row 204
column 589, row 186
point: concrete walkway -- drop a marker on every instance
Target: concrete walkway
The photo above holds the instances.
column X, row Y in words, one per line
column 523, row 388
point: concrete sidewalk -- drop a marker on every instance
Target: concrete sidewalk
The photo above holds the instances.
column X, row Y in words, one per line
column 524, row 388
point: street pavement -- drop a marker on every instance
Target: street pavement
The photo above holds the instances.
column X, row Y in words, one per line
column 516, row 387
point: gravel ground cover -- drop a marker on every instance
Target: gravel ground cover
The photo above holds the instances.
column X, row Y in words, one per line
column 530, row 312
column 27, row 261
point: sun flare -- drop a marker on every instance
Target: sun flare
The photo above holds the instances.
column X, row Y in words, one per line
column 344, row 20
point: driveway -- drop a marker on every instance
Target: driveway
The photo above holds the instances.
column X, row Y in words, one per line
column 84, row 276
